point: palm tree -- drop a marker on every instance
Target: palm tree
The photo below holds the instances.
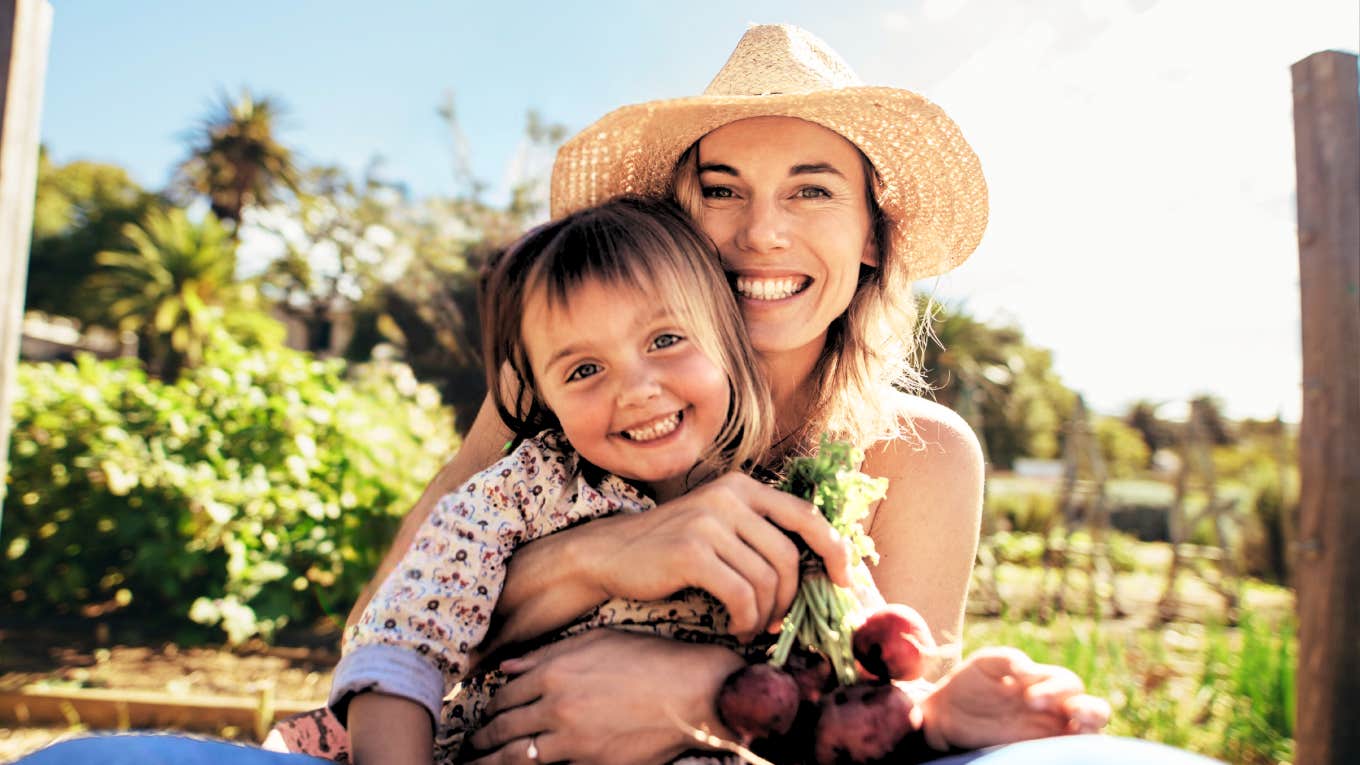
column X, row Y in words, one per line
column 234, row 158
column 172, row 288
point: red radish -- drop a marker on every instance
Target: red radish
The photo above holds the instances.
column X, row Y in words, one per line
column 863, row 723
column 894, row 643
column 758, row 701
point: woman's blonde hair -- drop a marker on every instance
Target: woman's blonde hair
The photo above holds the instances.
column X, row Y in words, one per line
column 872, row 350
column 633, row 243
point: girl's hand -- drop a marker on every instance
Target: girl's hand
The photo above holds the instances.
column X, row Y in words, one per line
column 1000, row 696
column 605, row 697
column 725, row 537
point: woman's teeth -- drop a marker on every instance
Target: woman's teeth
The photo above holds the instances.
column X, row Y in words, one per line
column 770, row 289
column 654, row 430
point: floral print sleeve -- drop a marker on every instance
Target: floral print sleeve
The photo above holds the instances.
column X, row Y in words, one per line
column 415, row 637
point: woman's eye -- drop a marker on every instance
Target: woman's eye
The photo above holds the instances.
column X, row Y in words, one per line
column 813, row 192
column 583, row 371
column 666, row 340
column 717, row 192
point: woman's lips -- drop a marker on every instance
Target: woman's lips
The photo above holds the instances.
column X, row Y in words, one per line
column 770, row 287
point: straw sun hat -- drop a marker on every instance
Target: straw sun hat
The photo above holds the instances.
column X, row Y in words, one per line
column 931, row 187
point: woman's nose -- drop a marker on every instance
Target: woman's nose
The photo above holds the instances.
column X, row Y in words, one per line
column 765, row 227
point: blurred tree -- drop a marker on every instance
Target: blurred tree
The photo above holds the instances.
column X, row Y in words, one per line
column 1126, row 453
column 173, row 288
column 234, row 158
column 1156, row 433
column 1003, row 386
column 80, row 209
column 326, row 248
column 1209, row 410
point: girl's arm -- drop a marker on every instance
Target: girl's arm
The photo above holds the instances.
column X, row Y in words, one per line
column 726, row 537
column 390, row 730
column 483, row 445
column 926, row 528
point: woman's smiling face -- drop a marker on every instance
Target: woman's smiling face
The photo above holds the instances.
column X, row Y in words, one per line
column 785, row 201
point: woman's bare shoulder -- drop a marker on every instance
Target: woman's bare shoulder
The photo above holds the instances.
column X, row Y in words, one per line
column 930, row 437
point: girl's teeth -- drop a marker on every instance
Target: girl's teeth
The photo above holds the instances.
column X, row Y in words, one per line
column 770, row 289
column 655, row 430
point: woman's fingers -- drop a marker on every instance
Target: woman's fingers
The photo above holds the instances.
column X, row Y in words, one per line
column 1048, row 693
column 519, row 722
column 1087, row 713
column 546, row 747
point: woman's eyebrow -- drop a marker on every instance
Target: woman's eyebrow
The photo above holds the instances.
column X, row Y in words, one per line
column 814, row 168
column 718, row 167
column 809, row 168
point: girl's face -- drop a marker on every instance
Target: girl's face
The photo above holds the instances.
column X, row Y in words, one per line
column 785, row 202
column 634, row 393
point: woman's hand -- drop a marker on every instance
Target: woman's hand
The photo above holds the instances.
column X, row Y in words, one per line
column 726, row 537
column 1000, row 696
column 605, row 697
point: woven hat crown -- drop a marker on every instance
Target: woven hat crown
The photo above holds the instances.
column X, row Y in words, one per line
column 775, row 59
column 930, row 186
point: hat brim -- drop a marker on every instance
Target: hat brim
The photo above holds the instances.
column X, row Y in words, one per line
column 931, row 189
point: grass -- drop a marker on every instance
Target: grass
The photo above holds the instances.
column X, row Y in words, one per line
column 1224, row 692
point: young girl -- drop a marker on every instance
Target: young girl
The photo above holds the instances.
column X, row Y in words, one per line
column 635, row 382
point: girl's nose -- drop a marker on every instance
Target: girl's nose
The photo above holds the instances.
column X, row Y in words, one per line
column 765, row 228
column 640, row 385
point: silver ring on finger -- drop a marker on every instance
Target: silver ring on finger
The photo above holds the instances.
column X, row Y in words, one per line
column 532, row 751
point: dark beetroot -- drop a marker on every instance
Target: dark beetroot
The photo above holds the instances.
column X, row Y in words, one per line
column 893, row 643
column 812, row 672
column 758, row 701
column 863, row 724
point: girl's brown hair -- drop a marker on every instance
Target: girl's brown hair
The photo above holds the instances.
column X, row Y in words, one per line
column 633, row 243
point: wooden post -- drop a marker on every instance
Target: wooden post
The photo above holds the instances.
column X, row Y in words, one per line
column 25, row 26
column 1327, row 155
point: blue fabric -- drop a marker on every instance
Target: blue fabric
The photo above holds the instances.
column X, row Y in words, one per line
column 160, row 749
column 1079, row 750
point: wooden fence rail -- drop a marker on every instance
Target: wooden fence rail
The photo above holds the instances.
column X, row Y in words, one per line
column 25, row 27
column 1327, row 157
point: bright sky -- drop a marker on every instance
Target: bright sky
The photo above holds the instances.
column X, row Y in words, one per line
column 1139, row 153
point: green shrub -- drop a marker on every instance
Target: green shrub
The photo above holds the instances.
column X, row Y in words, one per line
column 1021, row 511
column 1125, row 452
column 259, row 487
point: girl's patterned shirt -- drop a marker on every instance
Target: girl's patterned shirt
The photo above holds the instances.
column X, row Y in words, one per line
column 416, row 636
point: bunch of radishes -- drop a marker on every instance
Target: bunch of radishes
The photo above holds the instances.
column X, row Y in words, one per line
column 833, row 697
column 801, row 711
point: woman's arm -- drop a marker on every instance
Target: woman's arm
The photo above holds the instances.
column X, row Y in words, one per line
column 926, row 528
column 607, row 697
column 483, row 445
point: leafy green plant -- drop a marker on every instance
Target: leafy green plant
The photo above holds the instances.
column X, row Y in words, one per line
column 1224, row 692
column 261, row 486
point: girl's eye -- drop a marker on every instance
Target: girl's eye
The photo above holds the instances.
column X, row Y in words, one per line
column 666, row 340
column 583, row 371
column 717, row 192
column 813, row 192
